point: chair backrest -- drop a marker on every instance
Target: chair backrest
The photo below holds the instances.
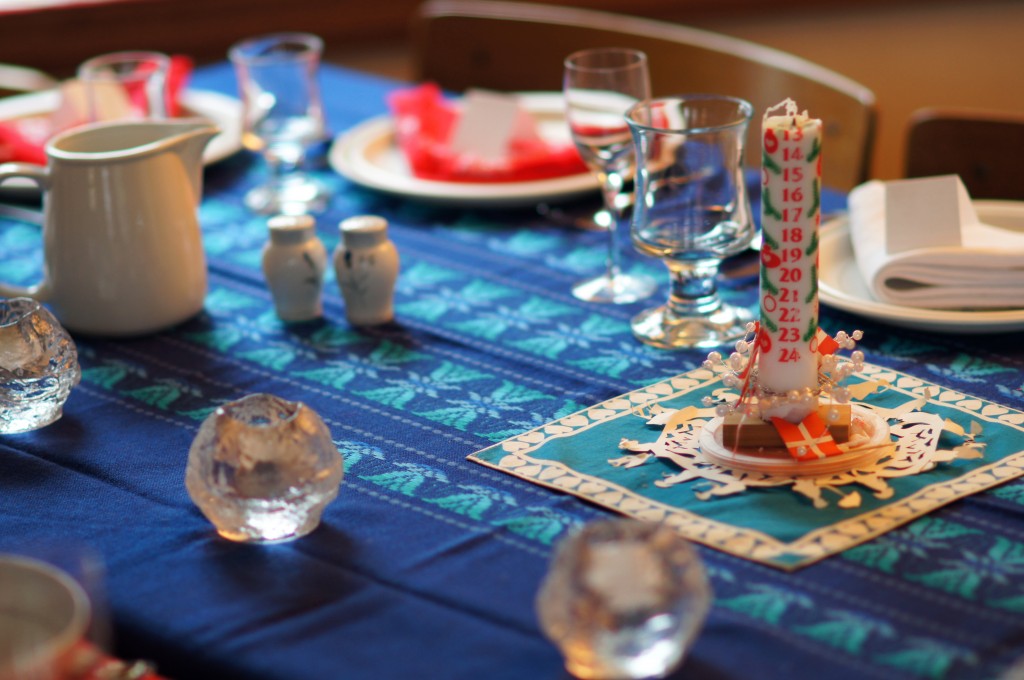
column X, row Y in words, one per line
column 986, row 149
column 511, row 46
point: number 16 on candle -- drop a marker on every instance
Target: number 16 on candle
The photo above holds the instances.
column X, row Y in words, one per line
column 790, row 215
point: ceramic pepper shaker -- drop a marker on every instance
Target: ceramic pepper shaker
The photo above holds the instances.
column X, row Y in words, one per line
column 366, row 263
column 294, row 262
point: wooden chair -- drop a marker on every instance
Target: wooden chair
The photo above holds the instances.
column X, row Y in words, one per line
column 986, row 149
column 511, row 46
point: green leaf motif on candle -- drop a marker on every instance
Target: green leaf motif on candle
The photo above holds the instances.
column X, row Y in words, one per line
column 770, row 163
column 812, row 329
column 769, row 240
column 815, row 196
column 813, row 292
column 812, row 247
column 767, row 322
column 769, row 209
column 815, row 151
column 766, row 283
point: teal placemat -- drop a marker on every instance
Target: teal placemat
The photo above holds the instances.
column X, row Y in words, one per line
column 771, row 525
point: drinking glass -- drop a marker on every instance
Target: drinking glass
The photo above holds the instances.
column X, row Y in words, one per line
column 599, row 86
column 692, row 211
column 125, row 85
column 283, row 117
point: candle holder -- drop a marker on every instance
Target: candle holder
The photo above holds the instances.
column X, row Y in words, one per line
column 624, row 599
column 831, row 434
column 262, row 469
column 38, row 366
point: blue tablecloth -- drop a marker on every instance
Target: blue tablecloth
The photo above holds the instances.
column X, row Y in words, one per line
column 427, row 564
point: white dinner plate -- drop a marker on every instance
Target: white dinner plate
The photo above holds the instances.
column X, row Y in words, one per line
column 224, row 111
column 368, row 155
column 841, row 284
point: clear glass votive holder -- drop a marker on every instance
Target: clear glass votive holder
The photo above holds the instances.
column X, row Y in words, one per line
column 44, row 614
column 263, row 469
column 623, row 600
column 38, row 366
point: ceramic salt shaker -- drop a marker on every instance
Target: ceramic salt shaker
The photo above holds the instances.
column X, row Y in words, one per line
column 294, row 262
column 366, row 263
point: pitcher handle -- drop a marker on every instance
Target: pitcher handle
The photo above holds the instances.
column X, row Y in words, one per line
column 41, row 176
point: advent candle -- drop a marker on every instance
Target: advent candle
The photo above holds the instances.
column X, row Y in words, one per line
column 790, row 216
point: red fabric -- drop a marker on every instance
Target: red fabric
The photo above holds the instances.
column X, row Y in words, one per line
column 24, row 139
column 424, row 123
column 177, row 80
column 808, row 439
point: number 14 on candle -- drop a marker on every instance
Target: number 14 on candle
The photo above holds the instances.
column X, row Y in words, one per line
column 790, row 216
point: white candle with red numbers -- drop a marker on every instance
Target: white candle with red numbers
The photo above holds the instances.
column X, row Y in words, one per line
column 790, row 216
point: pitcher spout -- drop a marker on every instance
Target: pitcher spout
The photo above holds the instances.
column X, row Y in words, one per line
column 190, row 143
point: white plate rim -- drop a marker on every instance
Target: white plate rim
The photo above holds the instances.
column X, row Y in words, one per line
column 223, row 110
column 836, row 250
column 348, row 157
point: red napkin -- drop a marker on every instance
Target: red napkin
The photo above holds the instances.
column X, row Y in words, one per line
column 424, row 123
column 24, row 139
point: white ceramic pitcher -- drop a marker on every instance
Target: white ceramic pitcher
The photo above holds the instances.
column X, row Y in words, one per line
column 122, row 249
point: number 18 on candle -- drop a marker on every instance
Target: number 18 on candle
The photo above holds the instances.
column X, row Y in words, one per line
column 790, row 216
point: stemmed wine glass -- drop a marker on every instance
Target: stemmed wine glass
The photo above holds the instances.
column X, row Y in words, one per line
column 283, row 117
column 599, row 86
column 692, row 211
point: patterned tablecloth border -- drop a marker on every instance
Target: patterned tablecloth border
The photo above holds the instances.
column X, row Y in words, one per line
column 513, row 457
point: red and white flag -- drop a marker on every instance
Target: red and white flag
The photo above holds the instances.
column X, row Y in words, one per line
column 824, row 343
column 808, row 439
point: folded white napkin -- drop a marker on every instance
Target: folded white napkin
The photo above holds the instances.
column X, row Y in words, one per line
column 919, row 243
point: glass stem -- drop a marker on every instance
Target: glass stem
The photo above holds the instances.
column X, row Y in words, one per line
column 281, row 166
column 694, row 290
column 611, row 187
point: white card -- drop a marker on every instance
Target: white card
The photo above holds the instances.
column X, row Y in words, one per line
column 929, row 212
column 489, row 121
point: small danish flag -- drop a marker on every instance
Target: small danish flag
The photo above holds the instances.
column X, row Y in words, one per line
column 825, row 343
column 807, row 440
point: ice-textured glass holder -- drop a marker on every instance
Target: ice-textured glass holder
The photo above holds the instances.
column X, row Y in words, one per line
column 263, row 469
column 623, row 599
column 38, row 366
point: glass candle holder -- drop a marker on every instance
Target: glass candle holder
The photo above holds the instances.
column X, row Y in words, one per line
column 43, row 615
column 38, row 366
column 623, row 600
column 263, row 469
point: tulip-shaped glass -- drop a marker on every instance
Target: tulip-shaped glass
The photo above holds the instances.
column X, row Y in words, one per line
column 692, row 211
column 283, row 117
column 126, row 85
column 599, row 86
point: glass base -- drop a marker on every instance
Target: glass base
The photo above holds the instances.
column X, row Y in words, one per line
column 620, row 289
column 660, row 328
column 292, row 195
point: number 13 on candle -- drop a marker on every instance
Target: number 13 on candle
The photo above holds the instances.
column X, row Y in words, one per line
column 790, row 215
